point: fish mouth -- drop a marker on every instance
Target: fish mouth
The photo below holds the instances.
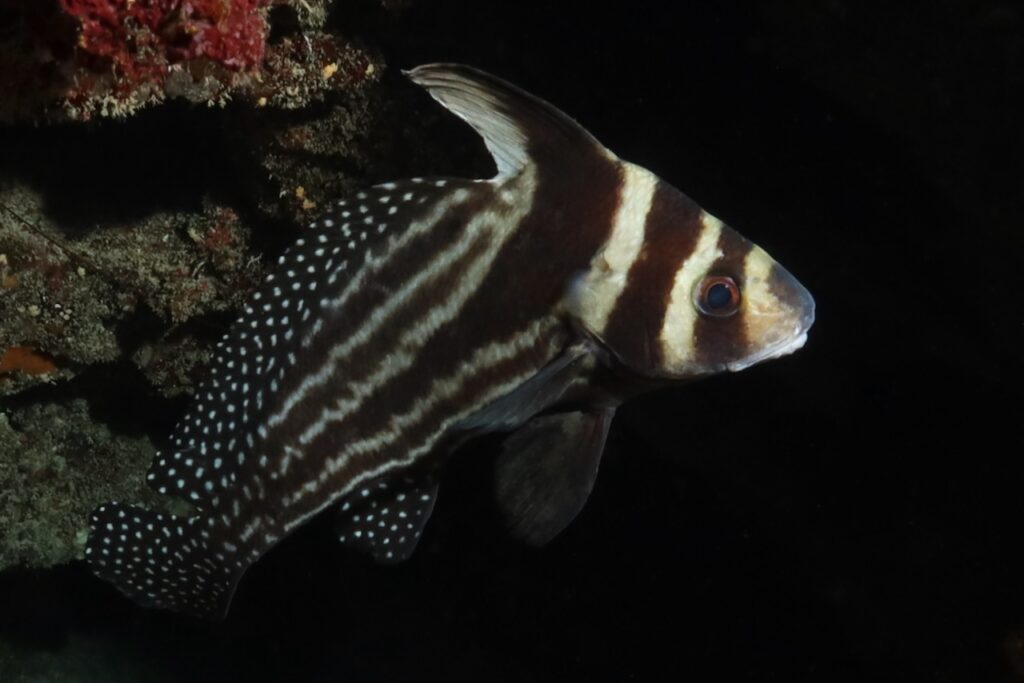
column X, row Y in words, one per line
column 783, row 348
column 801, row 316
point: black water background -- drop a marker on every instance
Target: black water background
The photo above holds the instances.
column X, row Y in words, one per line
column 851, row 513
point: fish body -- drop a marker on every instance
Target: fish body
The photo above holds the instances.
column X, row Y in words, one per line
column 419, row 314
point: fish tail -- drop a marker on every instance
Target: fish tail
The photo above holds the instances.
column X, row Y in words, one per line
column 160, row 560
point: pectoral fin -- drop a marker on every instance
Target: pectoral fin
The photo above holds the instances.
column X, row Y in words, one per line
column 546, row 469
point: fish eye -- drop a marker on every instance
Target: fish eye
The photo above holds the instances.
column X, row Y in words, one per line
column 717, row 296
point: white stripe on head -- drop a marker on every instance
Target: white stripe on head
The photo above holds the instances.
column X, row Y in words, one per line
column 677, row 339
column 592, row 298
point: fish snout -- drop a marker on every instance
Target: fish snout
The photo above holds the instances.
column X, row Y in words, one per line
column 777, row 315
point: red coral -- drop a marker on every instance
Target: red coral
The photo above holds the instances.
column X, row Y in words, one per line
column 230, row 32
column 140, row 38
column 27, row 360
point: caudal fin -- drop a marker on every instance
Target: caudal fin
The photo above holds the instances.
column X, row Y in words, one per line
column 161, row 560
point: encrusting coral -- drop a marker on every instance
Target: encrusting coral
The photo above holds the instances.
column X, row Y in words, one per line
column 126, row 242
column 81, row 59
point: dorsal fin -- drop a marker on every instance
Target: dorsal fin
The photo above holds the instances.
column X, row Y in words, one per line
column 517, row 127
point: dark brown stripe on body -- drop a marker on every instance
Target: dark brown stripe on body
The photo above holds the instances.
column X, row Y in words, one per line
column 527, row 280
column 573, row 209
column 379, row 287
column 342, row 323
column 396, row 394
column 525, row 283
column 474, row 392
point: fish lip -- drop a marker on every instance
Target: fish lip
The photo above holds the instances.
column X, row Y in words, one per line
column 795, row 342
column 783, row 348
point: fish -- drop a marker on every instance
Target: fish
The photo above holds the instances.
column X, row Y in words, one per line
column 415, row 316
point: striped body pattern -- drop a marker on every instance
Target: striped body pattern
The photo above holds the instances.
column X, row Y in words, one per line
column 419, row 314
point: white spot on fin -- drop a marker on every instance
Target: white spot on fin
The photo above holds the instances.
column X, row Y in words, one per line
column 387, row 522
column 162, row 560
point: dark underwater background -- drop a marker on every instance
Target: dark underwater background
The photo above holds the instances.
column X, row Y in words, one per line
column 853, row 512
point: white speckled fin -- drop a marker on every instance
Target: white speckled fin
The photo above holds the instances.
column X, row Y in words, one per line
column 386, row 519
column 163, row 561
column 546, row 470
column 515, row 125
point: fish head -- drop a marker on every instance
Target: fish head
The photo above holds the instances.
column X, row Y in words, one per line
column 730, row 305
column 687, row 296
column 743, row 308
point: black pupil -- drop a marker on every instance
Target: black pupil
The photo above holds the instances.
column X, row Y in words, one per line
column 718, row 296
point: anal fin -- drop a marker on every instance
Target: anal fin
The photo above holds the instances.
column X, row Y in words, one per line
column 385, row 519
column 546, row 470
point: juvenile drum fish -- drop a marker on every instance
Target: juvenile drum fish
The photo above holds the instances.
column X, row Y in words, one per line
column 419, row 314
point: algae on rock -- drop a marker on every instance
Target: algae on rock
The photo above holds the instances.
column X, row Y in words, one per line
column 56, row 465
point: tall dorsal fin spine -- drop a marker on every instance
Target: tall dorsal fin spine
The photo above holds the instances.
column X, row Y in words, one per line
column 517, row 127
